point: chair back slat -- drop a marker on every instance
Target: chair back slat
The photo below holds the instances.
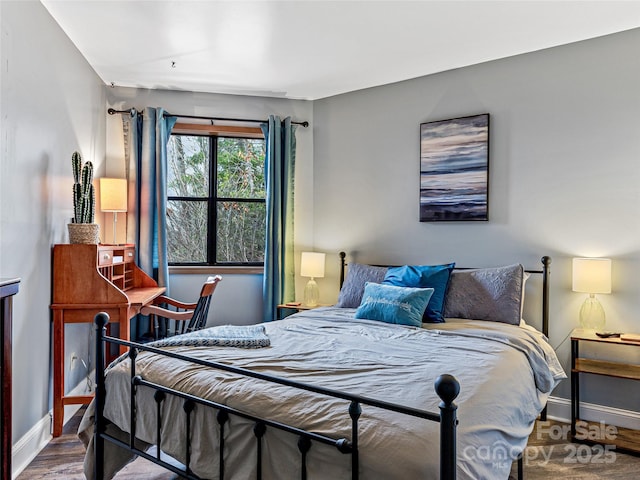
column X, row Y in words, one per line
column 184, row 320
column 201, row 312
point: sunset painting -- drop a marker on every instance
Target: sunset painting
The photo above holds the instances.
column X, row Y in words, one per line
column 454, row 169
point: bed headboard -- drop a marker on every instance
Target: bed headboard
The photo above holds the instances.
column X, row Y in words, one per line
column 545, row 271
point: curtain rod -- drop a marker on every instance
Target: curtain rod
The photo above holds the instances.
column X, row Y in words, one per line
column 132, row 112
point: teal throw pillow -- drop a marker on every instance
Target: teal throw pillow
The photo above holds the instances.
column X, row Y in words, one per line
column 424, row 276
column 391, row 304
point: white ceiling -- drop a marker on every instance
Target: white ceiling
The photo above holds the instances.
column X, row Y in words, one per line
column 316, row 48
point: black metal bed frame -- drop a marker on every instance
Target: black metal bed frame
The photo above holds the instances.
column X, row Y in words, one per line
column 446, row 387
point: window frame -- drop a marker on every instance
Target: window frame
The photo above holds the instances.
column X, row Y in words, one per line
column 213, row 133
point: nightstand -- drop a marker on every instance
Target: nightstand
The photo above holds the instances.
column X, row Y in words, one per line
column 624, row 439
column 285, row 310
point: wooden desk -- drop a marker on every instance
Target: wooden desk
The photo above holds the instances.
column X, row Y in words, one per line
column 88, row 279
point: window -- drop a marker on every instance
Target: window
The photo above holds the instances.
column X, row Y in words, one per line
column 216, row 200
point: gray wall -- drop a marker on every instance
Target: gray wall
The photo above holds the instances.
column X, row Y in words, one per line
column 564, row 176
column 52, row 104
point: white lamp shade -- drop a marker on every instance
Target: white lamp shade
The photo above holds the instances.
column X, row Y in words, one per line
column 113, row 194
column 592, row 275
column 312, row 264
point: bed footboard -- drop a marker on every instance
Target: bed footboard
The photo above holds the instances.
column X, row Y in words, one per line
column 446, row 386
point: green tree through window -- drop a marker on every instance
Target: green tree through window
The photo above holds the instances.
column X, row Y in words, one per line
column 216, row 200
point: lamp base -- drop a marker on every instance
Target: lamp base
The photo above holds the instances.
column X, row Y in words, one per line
column 115, row 229
column 592, row 315
column 311, row 293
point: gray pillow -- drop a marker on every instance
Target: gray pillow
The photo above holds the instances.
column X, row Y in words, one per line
column 353, row 287
column 493, row 294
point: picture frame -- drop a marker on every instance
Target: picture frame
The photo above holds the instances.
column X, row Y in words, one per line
column 454, row 169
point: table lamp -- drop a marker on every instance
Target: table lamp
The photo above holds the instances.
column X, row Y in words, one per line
column 592, row 275
column 113, row 198
column 312, row 265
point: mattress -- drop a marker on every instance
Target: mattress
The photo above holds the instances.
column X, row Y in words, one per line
column 506, row 374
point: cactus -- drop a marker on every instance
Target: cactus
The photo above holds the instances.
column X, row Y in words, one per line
column 84, row 200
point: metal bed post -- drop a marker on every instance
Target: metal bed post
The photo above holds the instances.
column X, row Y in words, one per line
column 222, row 417
column 546, row 262
column 259, row 429
column 134, row 390
column 159, row 397
column 575, row 387
column 304, row 444
column 447, row 388
column 355, row 410
column 520, row 467
column 188, row 407
column 100, row 320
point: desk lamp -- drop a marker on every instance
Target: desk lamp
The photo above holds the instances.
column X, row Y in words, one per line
column 113, row 198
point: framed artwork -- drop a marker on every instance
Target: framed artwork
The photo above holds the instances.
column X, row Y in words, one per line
column 454, row 169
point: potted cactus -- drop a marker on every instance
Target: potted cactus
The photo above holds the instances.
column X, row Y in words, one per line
column 82, row 229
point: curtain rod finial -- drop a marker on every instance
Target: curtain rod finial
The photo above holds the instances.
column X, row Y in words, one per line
column 112, row 111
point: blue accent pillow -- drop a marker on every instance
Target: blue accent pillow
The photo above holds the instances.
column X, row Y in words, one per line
column 424, row 276
column 391, row 304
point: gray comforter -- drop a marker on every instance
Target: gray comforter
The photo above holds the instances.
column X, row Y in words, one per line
column 506, row 373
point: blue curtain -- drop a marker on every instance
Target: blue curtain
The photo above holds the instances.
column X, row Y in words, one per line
column 146, row 137
column 279, row 269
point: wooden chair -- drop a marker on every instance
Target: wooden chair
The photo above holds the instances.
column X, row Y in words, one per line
column 186, row 317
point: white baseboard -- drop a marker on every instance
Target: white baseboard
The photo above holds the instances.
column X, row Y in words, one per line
column 560, row 409
column 31, row 444
column 27, row 448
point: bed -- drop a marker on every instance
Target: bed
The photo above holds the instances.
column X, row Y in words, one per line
column 333, row 394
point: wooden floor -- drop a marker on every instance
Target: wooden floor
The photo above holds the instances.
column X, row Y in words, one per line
column 62, row 459
column 548, row 456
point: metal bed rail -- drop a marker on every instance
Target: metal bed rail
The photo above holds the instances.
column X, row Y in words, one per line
column 446, row 386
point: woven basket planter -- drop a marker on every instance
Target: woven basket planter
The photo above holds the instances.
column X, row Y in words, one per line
column 84, row 233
